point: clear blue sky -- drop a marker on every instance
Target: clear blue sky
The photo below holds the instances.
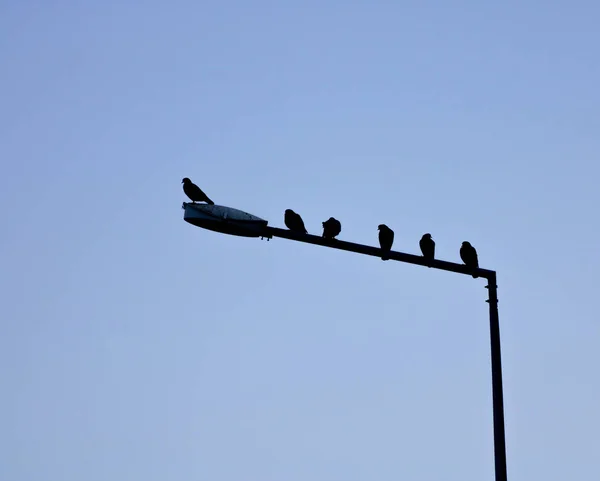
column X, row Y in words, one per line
column 134, row 346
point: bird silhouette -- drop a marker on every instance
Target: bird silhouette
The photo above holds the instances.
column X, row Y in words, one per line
column 194, row 192
column 386, row 239
column 468, row 254
column 331, row 228
column 427, row 246
column 294, row 222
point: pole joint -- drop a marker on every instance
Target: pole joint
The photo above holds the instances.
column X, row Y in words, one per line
column 493, row 297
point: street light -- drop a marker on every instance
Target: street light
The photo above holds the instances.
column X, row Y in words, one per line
column 236, row 222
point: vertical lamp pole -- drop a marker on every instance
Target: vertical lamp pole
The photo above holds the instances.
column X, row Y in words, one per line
column 497, row 389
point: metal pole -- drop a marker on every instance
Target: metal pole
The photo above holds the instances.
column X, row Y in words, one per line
column 497, row 391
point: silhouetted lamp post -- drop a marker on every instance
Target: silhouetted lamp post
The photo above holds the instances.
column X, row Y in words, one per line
column 236, row 222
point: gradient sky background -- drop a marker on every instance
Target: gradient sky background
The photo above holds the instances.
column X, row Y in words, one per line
column 134, row 346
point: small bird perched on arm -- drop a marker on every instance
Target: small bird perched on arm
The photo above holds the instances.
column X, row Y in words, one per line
column 427, row 246
column 294, row 222
column 468, row 254
column 386, row 239
column 194, row 192
column 331, row 228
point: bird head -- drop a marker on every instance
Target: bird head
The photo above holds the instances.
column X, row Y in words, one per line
column 426, row 236
column 382, row 226
column 289, row 211
column 466, row 244
column 186, row 181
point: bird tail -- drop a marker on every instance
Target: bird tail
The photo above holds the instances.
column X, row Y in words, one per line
column 208, row 201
